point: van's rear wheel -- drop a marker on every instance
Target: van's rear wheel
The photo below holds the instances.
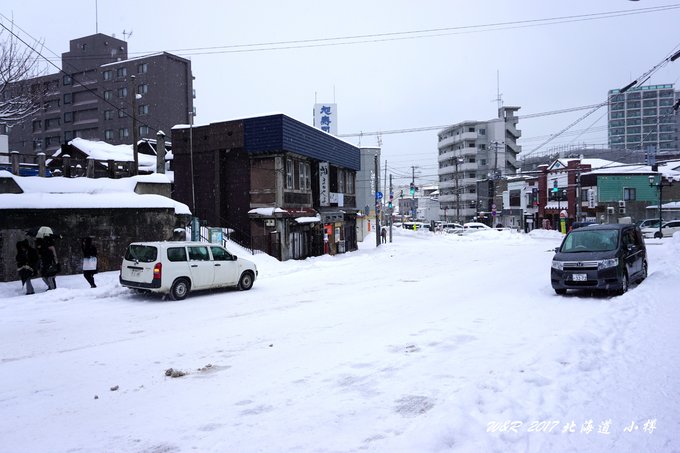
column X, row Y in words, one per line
column 180, row 289
column 246, row 281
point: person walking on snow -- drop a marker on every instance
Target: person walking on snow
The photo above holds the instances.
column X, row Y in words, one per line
column 49, row 265
column 27, row 264
column 89, row 260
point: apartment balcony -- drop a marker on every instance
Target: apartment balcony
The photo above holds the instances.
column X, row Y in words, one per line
column 471, row 136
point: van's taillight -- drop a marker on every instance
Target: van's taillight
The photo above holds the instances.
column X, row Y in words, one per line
column 157, row 271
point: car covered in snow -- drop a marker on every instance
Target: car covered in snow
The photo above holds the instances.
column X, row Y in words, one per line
column 176, row 268
column 600, row 257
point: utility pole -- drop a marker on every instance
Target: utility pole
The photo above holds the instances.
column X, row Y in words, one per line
column 377, row 202
column 384, row 192
column 135, row 154
column 457, row 194
column 391, row 204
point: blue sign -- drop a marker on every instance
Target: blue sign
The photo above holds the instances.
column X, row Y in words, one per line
column 378, row 195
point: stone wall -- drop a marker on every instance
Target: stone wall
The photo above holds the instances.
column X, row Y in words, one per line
column 111, row 229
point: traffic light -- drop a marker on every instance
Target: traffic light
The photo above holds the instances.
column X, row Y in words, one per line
column 555, row 188
column 413, row 189
column 389, row 204
column 401, row 193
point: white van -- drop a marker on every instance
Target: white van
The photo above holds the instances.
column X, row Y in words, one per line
column 175, row 268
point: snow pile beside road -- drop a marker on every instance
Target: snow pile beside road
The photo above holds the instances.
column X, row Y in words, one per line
column 546, row 234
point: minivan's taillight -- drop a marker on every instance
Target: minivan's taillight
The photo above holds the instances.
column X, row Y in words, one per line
column 157, row 271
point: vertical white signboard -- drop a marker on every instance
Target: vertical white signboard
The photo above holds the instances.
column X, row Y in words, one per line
column 324, row 196
column 326, row 118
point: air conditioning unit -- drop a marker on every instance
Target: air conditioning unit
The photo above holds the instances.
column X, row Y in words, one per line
column 622, row 204
column 622, row 210
column 610, row 209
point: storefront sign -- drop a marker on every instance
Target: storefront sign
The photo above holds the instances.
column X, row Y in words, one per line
column 324, row 194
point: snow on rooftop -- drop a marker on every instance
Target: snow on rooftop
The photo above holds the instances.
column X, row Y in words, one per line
column 83, row 193
column 266, row 211
column 665, row 170
column 106, row 151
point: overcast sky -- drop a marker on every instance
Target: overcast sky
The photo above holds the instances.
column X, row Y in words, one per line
column 392, row 81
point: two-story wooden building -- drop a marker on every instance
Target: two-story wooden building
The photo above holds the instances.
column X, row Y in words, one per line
column 282, row 186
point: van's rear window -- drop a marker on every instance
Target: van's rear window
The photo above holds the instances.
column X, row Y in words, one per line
column 177, row 254
column 141, row 253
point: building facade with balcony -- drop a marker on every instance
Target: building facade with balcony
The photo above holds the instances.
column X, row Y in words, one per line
column 282, row 187
column 101, row 94
column 643, row 118
column 471, row 151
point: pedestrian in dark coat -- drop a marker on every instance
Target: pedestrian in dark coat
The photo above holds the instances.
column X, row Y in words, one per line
column 49, row 264
column 27, row 264
column 89, row 260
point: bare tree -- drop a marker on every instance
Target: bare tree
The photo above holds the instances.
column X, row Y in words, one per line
column 20, row 95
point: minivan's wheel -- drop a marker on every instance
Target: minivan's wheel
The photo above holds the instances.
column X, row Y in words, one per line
column 560, row 291
column 658, row 235
column 246, row 281
column 180, row 289
column 624, row 285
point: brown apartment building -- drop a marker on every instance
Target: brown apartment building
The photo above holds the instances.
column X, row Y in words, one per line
column 93, row 97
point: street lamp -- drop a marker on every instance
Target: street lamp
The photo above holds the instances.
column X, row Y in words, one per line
column 659, row 185
column 135, row 153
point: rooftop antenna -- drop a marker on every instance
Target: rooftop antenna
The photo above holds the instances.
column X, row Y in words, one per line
column 333, row 94
column 499, row 95
column 379, row 137
column 126, row 35
column 96, row 17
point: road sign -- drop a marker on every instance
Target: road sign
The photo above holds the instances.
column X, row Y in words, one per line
column 378, row 195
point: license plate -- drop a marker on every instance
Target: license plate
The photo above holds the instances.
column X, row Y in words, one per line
column 136, row 273
column 579, row 277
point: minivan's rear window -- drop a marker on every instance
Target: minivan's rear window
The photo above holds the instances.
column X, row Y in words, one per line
column 141, row 253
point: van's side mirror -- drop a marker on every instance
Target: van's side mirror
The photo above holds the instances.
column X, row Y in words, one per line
column 631, row 247
column 557, row 249
column 234, row 257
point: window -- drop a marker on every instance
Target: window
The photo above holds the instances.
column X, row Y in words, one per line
column 176, row 254
column 121, row 72
column 482, row 132
column 123, row 132
column 107, row 75
column 108, row 114
column 121, row 113
column 68, row 117
column 68, row 136
column 143, row 110
column 122, row 92
column 471, row 145
column 37, row 143
column 143, row 131
column 482, row 147
column 142, row 68
column 67, row 80
column 52, row 123
column 341, row 181
column 515, row 197
column 482, row 162
column 37, row 125
column 108, row 134
column 289, row 174
column 198, row 253
column 143, row 89
column 108, row 94
column 350, row 182
column 628, row 194
column 303, row 177
column 472, row 174
column 68, row 98
column 471, row 129
column 219, row 254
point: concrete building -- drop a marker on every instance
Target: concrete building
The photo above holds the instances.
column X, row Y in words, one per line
column 643, row 117
column 470, row 151
column 93, row 97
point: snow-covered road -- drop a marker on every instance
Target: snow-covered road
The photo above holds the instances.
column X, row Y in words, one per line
column 420, row 345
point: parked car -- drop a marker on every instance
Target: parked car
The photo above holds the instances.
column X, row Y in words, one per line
column 667, row 230
column 648, row 223
column 176, row 268
column 600, row 257
column 576, row 225
column 475, row 226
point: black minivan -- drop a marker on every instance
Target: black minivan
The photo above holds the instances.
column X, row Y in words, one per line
column 600, row 257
